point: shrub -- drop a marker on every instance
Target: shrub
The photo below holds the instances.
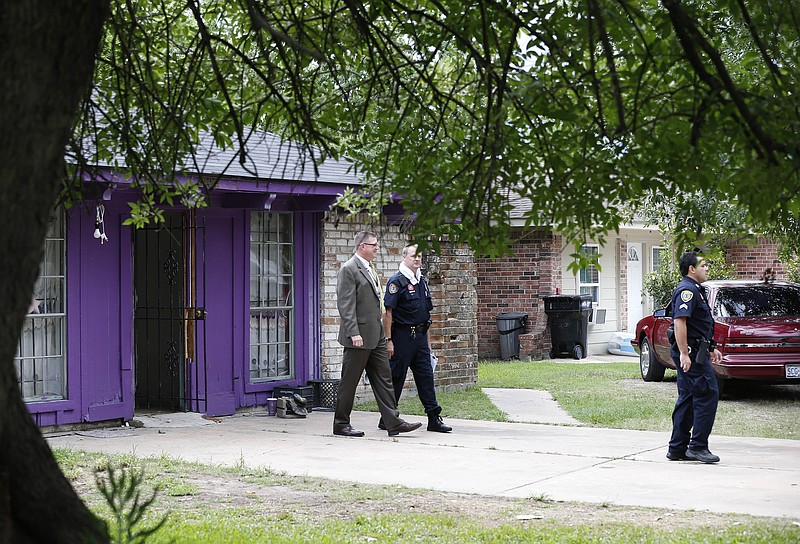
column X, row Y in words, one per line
column 661, row 283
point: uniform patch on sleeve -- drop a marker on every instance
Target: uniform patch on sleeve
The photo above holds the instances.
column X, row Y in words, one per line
column 393, row 289
column 686, row 295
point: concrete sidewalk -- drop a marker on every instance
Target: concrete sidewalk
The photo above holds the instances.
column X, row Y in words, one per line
column 566, row 463
column 529, row 406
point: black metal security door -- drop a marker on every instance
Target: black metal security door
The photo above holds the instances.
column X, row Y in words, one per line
column 169, row 315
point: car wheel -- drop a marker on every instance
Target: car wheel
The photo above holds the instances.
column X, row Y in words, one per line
column 652, row 370
column 553, row 353
column 577, row 351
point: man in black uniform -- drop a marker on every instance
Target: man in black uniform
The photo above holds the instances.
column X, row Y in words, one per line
column 691, row 351
column 405, row 323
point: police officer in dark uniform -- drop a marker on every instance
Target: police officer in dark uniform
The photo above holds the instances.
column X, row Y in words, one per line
column 408, row 315
column 692, row 351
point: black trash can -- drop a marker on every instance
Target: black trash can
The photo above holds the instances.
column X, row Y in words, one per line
column 510, row 325
column 569, row 324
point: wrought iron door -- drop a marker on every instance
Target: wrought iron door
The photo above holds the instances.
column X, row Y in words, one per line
column 169, row 315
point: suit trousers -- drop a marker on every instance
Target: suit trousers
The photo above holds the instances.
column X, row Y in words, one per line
column 696, row 407
column 375, row 362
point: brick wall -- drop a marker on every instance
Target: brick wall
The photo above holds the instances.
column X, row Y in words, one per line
column 470, row 292
column 454, row 332
column 752, row 259
column 517, row 284
column 452, row 280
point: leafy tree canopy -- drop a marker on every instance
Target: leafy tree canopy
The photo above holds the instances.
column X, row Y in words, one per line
column 460, row 107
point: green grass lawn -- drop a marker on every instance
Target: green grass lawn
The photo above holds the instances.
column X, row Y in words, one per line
column 613, row 395
column 210, row 504
column 232, row 505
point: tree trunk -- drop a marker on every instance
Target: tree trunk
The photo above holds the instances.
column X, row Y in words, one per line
column 47, row 54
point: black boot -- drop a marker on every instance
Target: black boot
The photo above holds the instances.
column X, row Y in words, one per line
column 436, row 424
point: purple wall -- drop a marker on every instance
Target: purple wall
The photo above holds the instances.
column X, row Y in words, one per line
column 100, row 309
column 99, row 323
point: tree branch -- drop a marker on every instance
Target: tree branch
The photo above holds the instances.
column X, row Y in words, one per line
column 689, row 35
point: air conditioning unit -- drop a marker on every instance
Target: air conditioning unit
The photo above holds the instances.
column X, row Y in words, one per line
column 598, row 316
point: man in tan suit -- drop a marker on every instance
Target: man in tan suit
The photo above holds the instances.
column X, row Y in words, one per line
column 358, row 296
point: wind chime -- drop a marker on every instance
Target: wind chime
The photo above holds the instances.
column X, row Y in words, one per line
column 99, row 224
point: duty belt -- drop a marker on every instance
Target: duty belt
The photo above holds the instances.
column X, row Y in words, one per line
column 701, row 347
column 420, row 328
column 694, row 343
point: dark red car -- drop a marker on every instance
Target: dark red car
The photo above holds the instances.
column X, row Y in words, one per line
column 757, row 331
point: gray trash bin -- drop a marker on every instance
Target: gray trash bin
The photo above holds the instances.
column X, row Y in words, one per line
column 569, row 324
column 510, row 325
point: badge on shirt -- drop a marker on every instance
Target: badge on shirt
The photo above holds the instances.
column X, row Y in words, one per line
column 410, row 288
column 392, row 289
column 686, row 295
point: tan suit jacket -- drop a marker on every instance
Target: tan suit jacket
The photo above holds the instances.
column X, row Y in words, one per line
column 359, row 305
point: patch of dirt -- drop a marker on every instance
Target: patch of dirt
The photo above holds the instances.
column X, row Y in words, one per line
column 324, row 499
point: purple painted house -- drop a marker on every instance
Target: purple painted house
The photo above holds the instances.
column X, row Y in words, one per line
column 207, row 312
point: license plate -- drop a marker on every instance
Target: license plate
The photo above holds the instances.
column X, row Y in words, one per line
column 793, row 371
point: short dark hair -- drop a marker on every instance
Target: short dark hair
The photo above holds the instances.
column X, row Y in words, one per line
column 359, row 238
column 688, row 259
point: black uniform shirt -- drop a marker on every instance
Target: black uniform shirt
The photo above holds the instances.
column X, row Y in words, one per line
column 689, row 301
column 411, row 304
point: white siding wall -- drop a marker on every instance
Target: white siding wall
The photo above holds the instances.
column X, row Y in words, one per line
column 613, row 288
column 609, row 274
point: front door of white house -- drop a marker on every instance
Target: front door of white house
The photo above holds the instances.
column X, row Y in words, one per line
column 635, row 298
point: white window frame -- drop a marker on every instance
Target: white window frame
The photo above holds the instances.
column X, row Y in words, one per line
column 41, row 357
column 271, row 302
column 590, row 287
column 660, row 250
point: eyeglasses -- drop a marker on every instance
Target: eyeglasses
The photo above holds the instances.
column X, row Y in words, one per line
column 375, row 244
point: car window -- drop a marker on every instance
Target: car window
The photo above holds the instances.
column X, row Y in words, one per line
column 757, row 300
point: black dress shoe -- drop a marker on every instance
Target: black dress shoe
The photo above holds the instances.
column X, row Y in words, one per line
column 676, row 456
column 436, row 425
column 381, row 426
column 348, row 431
column 403, row 427
column 704, row 456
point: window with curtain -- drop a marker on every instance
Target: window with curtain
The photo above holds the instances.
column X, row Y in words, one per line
column 41, row 360
column 271, row 297
column 658, row 256
column 589, row 277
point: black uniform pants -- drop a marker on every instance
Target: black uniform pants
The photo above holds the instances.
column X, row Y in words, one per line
column 413, row 353
column 696, row 407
